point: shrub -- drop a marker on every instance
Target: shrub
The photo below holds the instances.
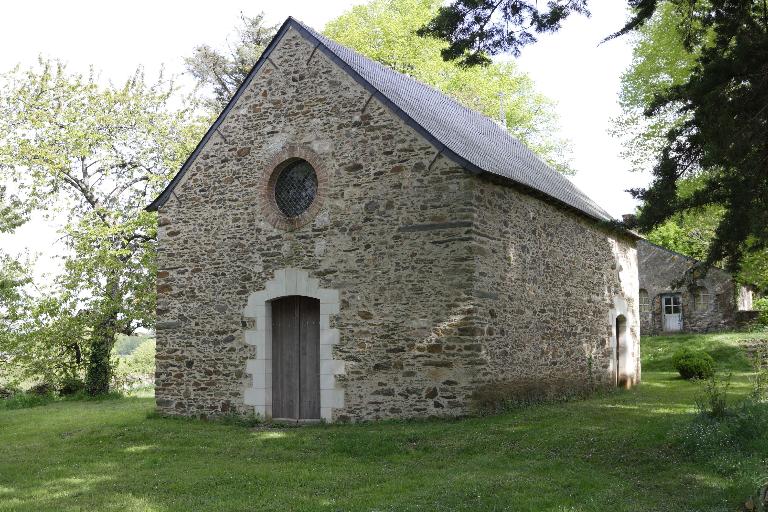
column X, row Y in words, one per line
column 25, row 400
column 71, row 386
column 713, row 399
column 6, row 393
column 136, row 370
column 497, row 397
column 41, row 389
column 761, row 305
column 142, row 360
column 693, row 364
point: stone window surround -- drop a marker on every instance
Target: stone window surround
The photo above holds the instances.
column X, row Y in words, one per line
column 277, row 163
column 288, row 282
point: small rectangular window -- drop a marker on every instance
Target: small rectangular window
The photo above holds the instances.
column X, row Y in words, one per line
column 645, row 302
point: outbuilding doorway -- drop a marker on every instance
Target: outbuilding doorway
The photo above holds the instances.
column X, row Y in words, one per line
column 672, row 313
column 296, row 358
column 621, row 328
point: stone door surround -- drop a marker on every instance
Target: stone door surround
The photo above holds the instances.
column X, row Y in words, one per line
column 287, row 282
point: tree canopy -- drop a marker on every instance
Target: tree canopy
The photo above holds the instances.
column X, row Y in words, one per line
column 220, row 72
column 662, row 59
column 385, row 31
column 719, row 133
column 96, row 154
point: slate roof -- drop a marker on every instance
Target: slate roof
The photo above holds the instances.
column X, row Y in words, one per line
column 468, row 137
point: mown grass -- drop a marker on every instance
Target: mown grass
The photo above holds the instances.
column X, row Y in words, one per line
column 606, row 453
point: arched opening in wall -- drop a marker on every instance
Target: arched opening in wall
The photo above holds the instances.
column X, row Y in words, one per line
column 295, row 364
column 621, row 349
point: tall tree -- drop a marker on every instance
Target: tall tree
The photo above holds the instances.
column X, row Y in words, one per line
column 720, row 135
column 13, row 274
column 97, row 154
column 220, row 72
column 478, row 28
column 660, row 60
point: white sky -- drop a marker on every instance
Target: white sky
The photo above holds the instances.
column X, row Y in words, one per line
column 569, row 67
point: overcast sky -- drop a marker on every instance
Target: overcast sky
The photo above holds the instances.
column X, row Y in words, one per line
column 569, row 67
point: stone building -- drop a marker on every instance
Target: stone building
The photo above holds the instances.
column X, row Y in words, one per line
column 346, row 243
column 676, row 296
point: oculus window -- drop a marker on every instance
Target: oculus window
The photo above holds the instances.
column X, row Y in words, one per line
column 295, row 188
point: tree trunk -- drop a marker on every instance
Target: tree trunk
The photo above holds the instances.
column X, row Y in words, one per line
column 99, row 371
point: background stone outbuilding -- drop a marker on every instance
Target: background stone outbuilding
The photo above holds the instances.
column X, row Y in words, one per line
column 677, row 295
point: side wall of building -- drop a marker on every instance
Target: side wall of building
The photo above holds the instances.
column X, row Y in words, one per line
column 549, row 287
column 709, row 303
column 391, row 238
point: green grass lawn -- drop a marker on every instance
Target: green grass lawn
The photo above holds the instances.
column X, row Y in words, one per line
column 609, row 453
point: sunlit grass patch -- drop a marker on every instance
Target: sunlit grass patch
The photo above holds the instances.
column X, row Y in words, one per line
column 609, row 452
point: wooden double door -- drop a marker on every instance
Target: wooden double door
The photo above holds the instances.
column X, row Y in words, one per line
column 296, row 358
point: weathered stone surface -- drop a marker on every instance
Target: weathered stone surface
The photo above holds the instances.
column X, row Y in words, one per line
column 446, row 281
column 664, row 272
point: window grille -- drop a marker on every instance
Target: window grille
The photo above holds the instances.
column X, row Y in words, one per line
column 295, row 188
column 702, row 299
column 645, row 302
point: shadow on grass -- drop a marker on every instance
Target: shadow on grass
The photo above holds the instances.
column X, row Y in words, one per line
column 727, row 349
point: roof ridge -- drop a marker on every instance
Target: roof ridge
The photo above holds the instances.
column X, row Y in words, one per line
column 597, row 212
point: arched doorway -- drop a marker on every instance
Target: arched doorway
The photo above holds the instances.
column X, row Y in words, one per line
column 621, row 340
column 296, row 358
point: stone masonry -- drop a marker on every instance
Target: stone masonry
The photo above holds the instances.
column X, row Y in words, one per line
column 710, row 302
column 432, row 280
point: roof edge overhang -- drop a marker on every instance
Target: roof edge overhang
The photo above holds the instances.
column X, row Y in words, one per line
column 290, row 22
column 161, row 199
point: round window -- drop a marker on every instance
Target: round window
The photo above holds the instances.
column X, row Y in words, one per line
column 295, row 188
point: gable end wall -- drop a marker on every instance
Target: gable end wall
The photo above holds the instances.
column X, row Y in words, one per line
column 390, row 237
column 662, row 272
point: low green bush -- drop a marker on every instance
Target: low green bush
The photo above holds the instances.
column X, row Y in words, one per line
column 42, row 389
column 24, row 400
column 71, row 386
column 692, row 364
column 7, row 392
column 761, row 305
column 498, row 397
